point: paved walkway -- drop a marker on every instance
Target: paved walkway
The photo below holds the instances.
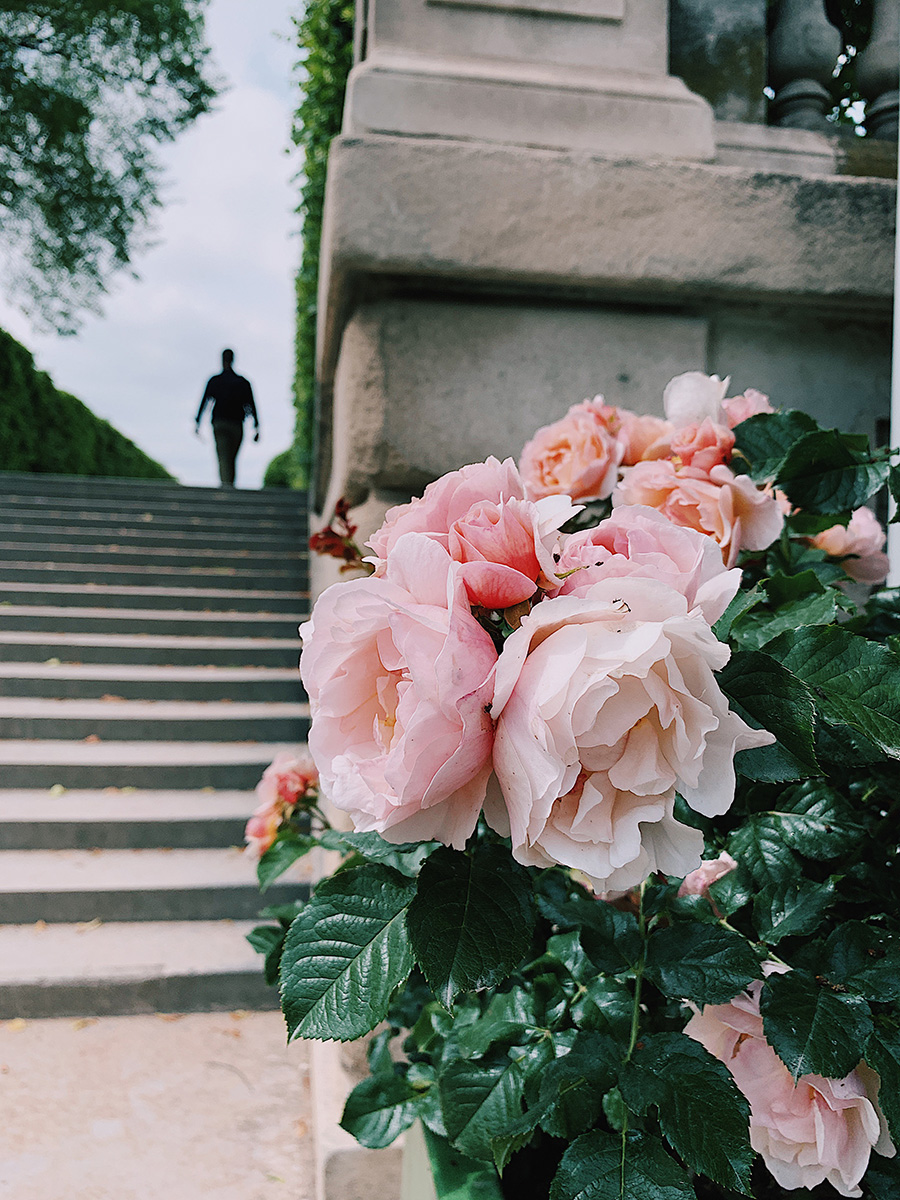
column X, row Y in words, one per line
column 196, row 1107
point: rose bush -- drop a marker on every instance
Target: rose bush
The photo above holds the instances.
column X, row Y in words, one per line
column 607, row 763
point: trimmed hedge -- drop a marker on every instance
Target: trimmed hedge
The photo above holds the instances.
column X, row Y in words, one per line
column 50, row 432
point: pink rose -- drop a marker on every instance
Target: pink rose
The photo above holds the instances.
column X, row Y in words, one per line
column 285, row 782
column 699, row 881
column 637, row 540
column 817, row 1130
column 750, row 404
column 862, row 539
column 693, row 397
column 728, row 507
column 508, row 548
column 605, row 705
column 644, row 437
column 447, row 500
column 400, row 677
column 704, row 445
column 577, row 456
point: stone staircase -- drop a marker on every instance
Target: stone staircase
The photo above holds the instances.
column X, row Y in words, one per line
column 148, row 675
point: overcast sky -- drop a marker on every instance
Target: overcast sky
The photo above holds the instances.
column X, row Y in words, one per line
column 221, row 273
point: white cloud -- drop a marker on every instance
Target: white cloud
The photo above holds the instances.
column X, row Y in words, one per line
column 220, row 274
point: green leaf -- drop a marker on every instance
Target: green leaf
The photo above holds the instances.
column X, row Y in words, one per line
column 730, row 893
column 345, row 954
column 742, row 603
column 593, row 1169
column 509, row 1017
column 379, row 1109
column 883, row 1177
column 405, row 857
column 605, row 1005
column 481, row 1099
column 767, row 695
column 830, row 472
column 703, row 963
column 471, row 921
column 894, row 485
column 282, row 854
column 264, row 937
column 812, row 1029
column 765, row 440
column 790, row 908
column 611, row 939
column 761, row 627
column 567, row 949
column 701, row 1112
column 570, row 1099
column 855, row 682
column 883, row 1056
column 759, row 846
column 864, row 960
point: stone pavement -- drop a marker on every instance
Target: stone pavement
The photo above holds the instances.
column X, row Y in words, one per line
column 154, row 1107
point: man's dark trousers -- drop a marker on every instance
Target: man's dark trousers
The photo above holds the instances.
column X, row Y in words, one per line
column 228, row 435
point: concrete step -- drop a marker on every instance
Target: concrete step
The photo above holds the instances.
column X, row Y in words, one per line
column 68, row 970
column 98, row 486
column 12, row 531
column 175, row 522
column 164, row 766
column 99, row 682
column 113, row 554
column 147, row 649
column 31, row 819
column 51, row 574
column 135, row 885
column 157, row 596
column 209, row 502
column 65, row 619
column 151, row 720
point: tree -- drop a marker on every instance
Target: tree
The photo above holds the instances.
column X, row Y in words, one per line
column 88, row 91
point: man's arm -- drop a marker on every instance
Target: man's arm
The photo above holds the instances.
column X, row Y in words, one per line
column 207, row 396
column 250, row 410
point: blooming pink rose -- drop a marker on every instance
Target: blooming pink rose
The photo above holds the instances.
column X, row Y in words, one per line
column 862, row 539
column 577, row 456
column 728, row 507
column 750, row 404
column 637, row 540
column 605, row 704
column 643, row 437
column 447, row 500
column 692, row 397
column 285, row 782
column 508, row 548
column 817, row 1130
column 400, row 678
column 704, row 445
column 699, row 881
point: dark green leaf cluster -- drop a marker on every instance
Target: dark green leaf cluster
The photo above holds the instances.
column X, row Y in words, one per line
column 44, row 430
column 88, row 91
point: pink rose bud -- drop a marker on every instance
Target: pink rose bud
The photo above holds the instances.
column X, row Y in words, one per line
column 863, row 540
column 750, row 404
column 711, row 869
column 577, row 456
column 703, row 446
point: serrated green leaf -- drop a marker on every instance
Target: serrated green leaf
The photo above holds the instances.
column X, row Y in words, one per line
column 264, row 937
column 405, row 857
column 767, row 695
column 593, row 1169
column 742, row 603
column 883, row 1056
column 480, row 1100
column 764, row 441
column 472, row 919
column 812, row 1029
column 701, row 1112
column 611, row 938
column 894, row 485
column 829, row 472
column 509, row 1017
column 761, row 627
column 379, row 1109
column 815, row 821
column 282, row 912
column 790, row 908
column 704, row 963
column 730, row 893
column 571, row 1093
column 282, row 854
column 345, row 953
column 865, row 960
column 759, row 846
column 605, row 1005
column 567, row 949
column 854, row 681
column 883, row 1177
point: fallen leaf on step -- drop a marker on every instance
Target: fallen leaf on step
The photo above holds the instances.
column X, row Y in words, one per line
column 240, row 1014
column 83, row 1022
column 52, row 662
column 171, row 1016
column 92, row 737
column 302, row 1129
column 88, row 926
column 58, row 789
column 108, row 698
column 40, row 926
column 16, row 1025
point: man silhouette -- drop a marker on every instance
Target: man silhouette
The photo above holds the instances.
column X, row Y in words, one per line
column 232, row 398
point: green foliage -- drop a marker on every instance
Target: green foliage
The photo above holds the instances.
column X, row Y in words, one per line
column 283, row 471
column 88, row 91
column 594, row 1168
column 47, row 431
column 814, row 1029
column 325, row 39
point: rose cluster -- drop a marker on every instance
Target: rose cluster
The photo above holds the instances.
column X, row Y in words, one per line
column 561, row 684
column 286, row 783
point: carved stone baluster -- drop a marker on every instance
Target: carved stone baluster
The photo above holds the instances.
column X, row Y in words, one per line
column 878, row 68
column 803, row 49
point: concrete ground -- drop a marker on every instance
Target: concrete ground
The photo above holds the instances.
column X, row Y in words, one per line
column 196, row 1107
